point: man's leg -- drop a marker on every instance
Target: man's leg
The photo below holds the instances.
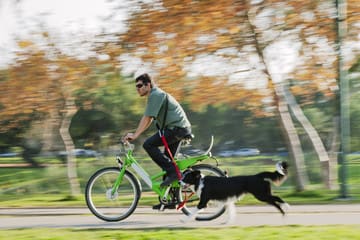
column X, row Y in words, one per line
column 151, row 145
column 173, row 138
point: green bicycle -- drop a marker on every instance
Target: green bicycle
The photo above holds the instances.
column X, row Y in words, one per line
column 112, row 193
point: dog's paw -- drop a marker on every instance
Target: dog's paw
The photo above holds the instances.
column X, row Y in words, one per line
column 285, row 206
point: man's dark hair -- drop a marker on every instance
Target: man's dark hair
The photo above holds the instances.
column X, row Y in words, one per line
column 145, row 78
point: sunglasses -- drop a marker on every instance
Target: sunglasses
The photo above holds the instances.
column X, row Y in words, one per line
column 140, row 85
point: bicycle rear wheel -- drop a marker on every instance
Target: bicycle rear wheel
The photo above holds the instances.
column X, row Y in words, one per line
column 214, row 209
column 107, row 206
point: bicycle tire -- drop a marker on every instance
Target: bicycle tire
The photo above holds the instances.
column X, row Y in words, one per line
column 214, row 209
column 103, row 204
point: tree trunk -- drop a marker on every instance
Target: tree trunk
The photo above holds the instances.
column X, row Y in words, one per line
column 313, row 135
column 334, row 149
column 50, row 137
column 294, row 145
column 286, row 123
column 69, row 112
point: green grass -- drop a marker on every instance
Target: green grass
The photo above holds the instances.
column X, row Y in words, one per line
column 41, row 200
column 253, row 233
column 49, row 187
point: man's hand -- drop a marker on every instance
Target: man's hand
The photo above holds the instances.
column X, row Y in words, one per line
column 143, row 125
column 128, row 137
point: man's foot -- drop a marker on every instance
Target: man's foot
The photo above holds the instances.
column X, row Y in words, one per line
column 158, row 206
column 169, row 179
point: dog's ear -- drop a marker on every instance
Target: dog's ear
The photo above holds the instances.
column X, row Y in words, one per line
column 285, row 165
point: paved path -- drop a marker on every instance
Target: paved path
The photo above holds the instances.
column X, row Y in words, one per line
column 144, row 218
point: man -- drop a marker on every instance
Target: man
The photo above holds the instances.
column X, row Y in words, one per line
column 161, row 106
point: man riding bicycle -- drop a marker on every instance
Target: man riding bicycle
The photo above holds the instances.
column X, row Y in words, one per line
column 171, row 121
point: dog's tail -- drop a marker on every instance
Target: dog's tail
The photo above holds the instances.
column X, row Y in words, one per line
column 275, row 177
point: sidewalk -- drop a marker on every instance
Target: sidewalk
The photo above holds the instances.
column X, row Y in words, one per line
column 336, row 208
column 146, row 218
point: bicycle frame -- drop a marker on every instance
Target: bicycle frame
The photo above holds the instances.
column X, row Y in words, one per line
column 112, row 193
column 154, row 181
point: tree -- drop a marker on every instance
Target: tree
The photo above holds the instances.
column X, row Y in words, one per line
column 23, row 99
column 41, row 85
column 286, row 122
column 205, row 46
column 203, row 52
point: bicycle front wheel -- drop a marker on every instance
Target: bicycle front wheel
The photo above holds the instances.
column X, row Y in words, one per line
column 214, row 209
column 110, row 206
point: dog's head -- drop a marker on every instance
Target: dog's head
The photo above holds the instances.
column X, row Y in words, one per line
column 282, row 168
column 191, row 177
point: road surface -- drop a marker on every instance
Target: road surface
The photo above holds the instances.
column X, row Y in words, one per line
column 146, row 218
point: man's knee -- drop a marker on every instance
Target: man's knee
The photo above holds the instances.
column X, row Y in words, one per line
column 147, row 145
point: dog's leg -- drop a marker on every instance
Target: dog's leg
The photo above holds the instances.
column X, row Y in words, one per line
column 191, row 216
column 277, row 199
column 283, row 204
column 266, row 196
column 231, row 209
column 274, row 200
column 277, row 206
column 202, row 204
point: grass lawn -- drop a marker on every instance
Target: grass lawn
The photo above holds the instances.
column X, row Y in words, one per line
column 253, row 233
column 49, row 187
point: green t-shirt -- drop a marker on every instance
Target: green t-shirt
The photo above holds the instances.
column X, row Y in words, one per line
column 176, row 117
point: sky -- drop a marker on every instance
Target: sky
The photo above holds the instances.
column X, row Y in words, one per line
column 84, row 19
column 64, row 17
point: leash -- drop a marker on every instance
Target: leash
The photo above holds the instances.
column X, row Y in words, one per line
column 163, row 139
column 182, row 204
column 166, row 145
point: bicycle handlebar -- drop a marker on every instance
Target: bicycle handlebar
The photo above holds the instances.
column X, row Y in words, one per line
column 127, row 145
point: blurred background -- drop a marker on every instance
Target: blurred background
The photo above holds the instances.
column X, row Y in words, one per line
column 270, row 79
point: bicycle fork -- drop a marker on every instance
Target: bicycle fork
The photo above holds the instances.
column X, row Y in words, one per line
column 119, row 178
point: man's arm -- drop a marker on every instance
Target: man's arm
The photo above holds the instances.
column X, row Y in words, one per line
column 143, row 125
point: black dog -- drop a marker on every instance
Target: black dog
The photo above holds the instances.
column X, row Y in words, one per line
column 230, row 189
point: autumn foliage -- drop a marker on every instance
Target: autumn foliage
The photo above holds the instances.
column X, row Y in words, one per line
column 183, row 41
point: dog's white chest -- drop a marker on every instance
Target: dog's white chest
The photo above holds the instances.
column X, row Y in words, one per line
column 200, row 188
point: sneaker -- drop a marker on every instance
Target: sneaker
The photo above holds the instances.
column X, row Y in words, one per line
column 169, row 179
column 158, row 206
